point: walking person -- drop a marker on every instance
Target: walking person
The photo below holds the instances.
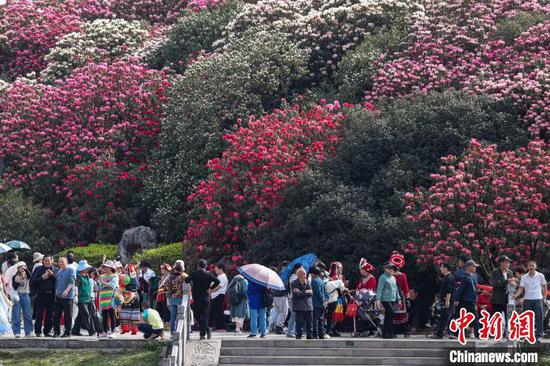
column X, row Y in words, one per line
column 320, row 298
column 387, row 294
column 302, row 304
column 43, row 284
column 64, row 294
column 202, row 283
column 280, row 307
column 257, row 308
column 446, row 292
column 20, row 283
column 217, row 316
column 533, row 288
column 401, row 316
column 500, row 278
column 107, row 284
column 238, row 301
column 466, row 294
column 173, row 287
column 86, row 312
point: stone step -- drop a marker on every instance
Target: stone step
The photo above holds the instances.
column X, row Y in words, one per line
column 346, row 344
column 308, row 360
column 335, row 352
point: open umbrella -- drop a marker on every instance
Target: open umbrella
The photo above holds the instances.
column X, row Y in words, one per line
column 307, row 260
column 18, row 245
column 4, row 248
column 262, row 276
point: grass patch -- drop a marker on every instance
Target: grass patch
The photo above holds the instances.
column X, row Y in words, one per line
column 149, row 355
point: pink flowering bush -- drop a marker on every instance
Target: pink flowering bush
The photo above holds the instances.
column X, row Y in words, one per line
column 456, row 46
column 484, row 204
column 245, row 183
column 100, row 109
column 28, row 29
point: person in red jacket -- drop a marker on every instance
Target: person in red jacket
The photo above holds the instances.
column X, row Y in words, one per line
column 401, row 316
column 368, row 281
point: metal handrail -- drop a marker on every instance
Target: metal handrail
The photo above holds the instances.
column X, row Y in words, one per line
column 175, row 354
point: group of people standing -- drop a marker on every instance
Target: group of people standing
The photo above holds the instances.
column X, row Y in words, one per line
column 519, row 289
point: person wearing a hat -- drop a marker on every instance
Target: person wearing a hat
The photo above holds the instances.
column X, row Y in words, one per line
column 401, row 316
column 387, row 294
column 466, row 294
column 86, row 308
column 368, row 281
column 108, row 286
column 20, row 282
column 500, row 278
column 37, row 260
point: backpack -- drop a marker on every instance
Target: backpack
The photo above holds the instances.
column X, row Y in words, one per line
column 235, row 294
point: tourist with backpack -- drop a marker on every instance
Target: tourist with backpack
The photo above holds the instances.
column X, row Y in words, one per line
column 238, row 301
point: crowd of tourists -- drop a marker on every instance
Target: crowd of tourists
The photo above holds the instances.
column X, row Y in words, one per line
column 316, row 300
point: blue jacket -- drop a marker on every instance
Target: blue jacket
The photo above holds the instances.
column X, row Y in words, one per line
column 255, row 294
column 320, row 295
column 63, row 279
column 467, row 291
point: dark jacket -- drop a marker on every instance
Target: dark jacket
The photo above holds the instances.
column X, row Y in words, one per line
column 499, row 295
column 201, row 281
column 320, row 295
column 41, row 287
column 301, row 301
column 467, row 291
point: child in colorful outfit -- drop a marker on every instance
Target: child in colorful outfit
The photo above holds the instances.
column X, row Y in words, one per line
column 108, row 286
column 129, row 308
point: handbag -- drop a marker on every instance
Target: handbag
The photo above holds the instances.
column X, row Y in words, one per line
column 14, row 295
column 351, row 310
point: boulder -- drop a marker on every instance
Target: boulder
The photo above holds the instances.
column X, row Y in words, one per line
column 135, row 240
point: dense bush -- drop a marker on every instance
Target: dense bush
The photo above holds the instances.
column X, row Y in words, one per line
column 21, row 219
column 245, row 184
column 352, row 206
column 484, row 204
column 29, row 29
column 192, row 35
column 93, row 253
column 264, row 67
column 325, row 29
column 168, row 253
column 97, row 41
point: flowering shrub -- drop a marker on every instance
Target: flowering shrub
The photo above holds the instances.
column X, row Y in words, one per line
column 192, row 33
column 455, row 47
column 100, row 40
column 484, row 204
column 28, row 29
column 48, row 130
column 157, row 11
column 263, row 67
column 325, row 29
column 245, row 184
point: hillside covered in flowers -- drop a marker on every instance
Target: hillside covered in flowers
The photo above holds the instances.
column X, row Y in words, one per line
column 257, row 130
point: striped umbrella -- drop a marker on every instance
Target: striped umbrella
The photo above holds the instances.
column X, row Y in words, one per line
column 4, row 248
column 262, row 276
column 18, row 245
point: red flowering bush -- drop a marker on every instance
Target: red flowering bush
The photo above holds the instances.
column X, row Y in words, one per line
column 246, row 182
column 100, row 109
column 484, row 204
column 28, row 29
column 459, row 45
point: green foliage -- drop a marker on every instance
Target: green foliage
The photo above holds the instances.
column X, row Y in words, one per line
column 22, row 219
column 194, row 32
column 357, row 67
column 263, row 67
column 168, row 253
column 509, row 28
column 351, row 207
column 94, row 253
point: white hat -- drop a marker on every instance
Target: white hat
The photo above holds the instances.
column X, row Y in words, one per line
column 119, row 265
column 110, row 264
column 36, row 257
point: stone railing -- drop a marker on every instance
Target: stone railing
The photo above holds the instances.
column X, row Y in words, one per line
column 175, row 353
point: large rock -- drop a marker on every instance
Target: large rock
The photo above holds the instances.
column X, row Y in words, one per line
column 136, row 240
